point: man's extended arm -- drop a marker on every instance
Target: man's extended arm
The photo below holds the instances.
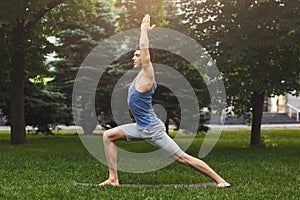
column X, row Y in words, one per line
column 144, row 46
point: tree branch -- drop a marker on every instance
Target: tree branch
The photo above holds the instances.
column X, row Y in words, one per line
column 41, row 13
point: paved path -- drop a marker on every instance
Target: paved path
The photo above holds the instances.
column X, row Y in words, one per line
column 225, row 127
column 263, row 126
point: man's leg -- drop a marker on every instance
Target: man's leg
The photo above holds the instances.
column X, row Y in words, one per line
column 185, row 159
column 110, row 148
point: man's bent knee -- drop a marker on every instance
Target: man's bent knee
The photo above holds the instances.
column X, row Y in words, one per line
column 113, row 135
column 106, row 136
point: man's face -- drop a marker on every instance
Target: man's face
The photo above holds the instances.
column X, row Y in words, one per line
column 136, row 59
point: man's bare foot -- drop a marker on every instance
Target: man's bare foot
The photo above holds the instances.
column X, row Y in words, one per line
column 109, row 182
column 223, row 184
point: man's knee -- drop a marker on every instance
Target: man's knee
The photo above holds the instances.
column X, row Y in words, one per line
column 182, row 158
column 112, row 135
column 107, row 136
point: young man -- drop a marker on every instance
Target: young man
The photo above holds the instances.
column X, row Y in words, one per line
column 147, row 127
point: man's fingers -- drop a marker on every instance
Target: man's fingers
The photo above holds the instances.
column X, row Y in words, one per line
column 146, row 20
column 152, row 27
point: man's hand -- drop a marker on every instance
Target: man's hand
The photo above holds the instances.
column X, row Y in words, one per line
column 146, row 23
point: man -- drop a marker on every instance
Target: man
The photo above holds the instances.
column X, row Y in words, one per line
column 147, row 127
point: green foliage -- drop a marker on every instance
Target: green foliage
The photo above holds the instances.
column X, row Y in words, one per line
column 44, row 107
column 47, row 166
column 131, row 12
column 76, row 40
column 266, row 141
column 256, row 45
column 25, row 27
column 39, row 20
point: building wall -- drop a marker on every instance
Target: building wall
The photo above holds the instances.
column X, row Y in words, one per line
column 277, row 104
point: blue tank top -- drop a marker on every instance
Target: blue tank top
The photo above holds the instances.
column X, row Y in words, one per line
column 140, row 104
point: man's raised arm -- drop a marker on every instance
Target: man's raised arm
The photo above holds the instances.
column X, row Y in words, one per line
column 144, row 43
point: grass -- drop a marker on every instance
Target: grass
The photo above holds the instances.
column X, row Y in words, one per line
column 45, row 167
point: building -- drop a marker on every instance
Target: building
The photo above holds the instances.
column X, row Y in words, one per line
column 285, row 104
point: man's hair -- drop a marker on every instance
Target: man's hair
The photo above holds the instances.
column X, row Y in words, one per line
column 151, row 51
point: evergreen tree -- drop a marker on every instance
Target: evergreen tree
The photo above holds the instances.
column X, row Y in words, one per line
column 44, row 107
column 75, row 43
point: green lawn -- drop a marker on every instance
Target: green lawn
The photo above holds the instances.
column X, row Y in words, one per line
column 46, row 166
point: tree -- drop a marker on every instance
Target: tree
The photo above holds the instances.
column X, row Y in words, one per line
column 44, row 105
column 132, row 11
column 256, row 45
column 25, row 26
column 75, row 42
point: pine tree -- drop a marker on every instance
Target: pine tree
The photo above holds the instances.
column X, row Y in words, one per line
column 75, row 43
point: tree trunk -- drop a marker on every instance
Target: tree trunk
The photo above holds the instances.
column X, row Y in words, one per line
column 258, row 103
column 167, row 123
column 17, row 118
column 88, row 117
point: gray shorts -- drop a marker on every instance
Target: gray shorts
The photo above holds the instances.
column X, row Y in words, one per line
column 156, row 136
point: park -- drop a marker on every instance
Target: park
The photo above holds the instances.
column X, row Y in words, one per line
column 224, row 78
column 46, row 167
